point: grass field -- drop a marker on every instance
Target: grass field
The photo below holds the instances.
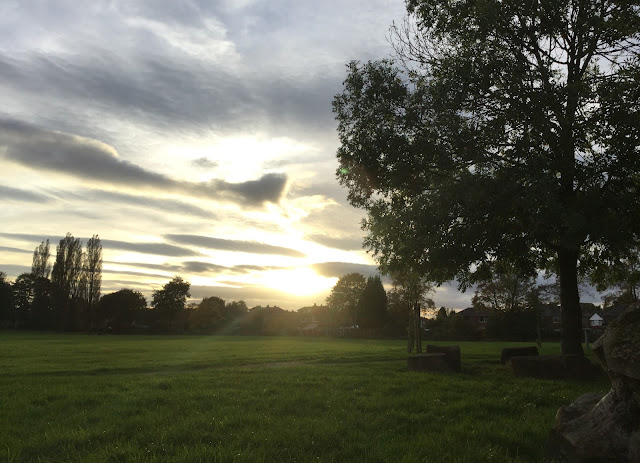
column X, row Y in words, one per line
column 66, row 398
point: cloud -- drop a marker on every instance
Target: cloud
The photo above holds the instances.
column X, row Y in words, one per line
column 9, row 249
column 162, row 249
column 346, row 244
column 338, row 269
column 9, row 193
column 164, row 267
column 233, row 245
column 92, row 160
column 203, row 267
column 205, row 163
column 134, row 273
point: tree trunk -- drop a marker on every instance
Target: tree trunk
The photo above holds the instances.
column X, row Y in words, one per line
column 418, row 328
column 571, row 326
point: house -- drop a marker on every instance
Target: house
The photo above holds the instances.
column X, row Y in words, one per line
column 595, row 321
column 314, row 320
column 477, row 316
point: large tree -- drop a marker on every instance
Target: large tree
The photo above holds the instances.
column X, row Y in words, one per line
column 92, row 270
column 67, row 267
column 172, row 298
column 371, row 310
column 509, row 131
column 40, row 267
column 344, row 297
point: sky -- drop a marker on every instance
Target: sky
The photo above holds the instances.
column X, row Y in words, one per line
column 195, row 138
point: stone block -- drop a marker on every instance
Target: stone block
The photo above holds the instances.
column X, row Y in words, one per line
column 427, row 362
column 452, row 355
column 508, row 352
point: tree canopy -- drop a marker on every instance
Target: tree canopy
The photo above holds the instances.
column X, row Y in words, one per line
column 344, row 297
column 505, row 131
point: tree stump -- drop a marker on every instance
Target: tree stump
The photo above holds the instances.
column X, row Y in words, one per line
column 605, row 429
column 427, row 362
column 508, row 352
column 452, row 355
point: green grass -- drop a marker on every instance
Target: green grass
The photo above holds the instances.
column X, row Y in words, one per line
column 67, row 398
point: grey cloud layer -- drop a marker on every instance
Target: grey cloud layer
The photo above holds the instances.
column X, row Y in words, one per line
column 162, row 249
column 89, row 159
column 17, row 194
column 233, row 245
column 338, row 269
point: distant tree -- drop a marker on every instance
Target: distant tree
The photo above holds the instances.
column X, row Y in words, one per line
column 67, row 267
column 65, row 281
column 92, row 269
column 42, row 309
column 506, row 130
column 169, row 303
column 344, row 297
column 23, row 297
column 503, row 288
column 236, row 309
column 208, row 315
column 622, row 278
column 7, row 315
column 119, row 309
column 411, row 291
column 371, row 310
column 40, row 267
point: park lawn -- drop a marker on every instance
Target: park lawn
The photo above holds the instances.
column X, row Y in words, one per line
column 71, row 397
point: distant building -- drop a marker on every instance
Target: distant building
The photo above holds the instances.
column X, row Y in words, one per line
column 477, row 316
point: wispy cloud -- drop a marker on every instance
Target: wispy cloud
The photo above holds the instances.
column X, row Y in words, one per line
column 17, row 194
column 338, row 269
column 252, row 247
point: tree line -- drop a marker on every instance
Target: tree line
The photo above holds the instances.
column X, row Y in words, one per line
column 62, row 297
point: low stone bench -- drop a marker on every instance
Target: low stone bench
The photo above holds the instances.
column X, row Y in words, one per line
column 428, row 362
column 554, row 367
column 452, row 355
column 509, row 352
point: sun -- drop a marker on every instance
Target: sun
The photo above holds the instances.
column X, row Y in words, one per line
column 300, row 281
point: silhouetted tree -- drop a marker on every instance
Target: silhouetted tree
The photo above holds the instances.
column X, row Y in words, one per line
column 371, row 312
column 40, row 267
column 92, row 270
column 503, row 288
column 509, row 132
column 344, row 297
column 209, row 315
column 411, row 290
column 169, row 302
column 23, row 296
column 7, row 313
column 65, row 278
column 119, row 309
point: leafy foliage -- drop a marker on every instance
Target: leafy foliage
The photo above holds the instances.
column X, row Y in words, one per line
column 509, row 134
column 371, row 310
column 344, row 297
column 40, row 267
column 120, row 308
column 172, row 297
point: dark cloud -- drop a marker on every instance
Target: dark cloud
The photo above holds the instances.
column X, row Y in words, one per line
column 9, row 249
column 203, row 267
column 149, row 202
column 338, row 269
column 134, row 273
column 346, row 244
column 233, row 245
column 162, row 249
column 205, row 163
column 9, row 193
column 164, row 267
column 92, row 160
